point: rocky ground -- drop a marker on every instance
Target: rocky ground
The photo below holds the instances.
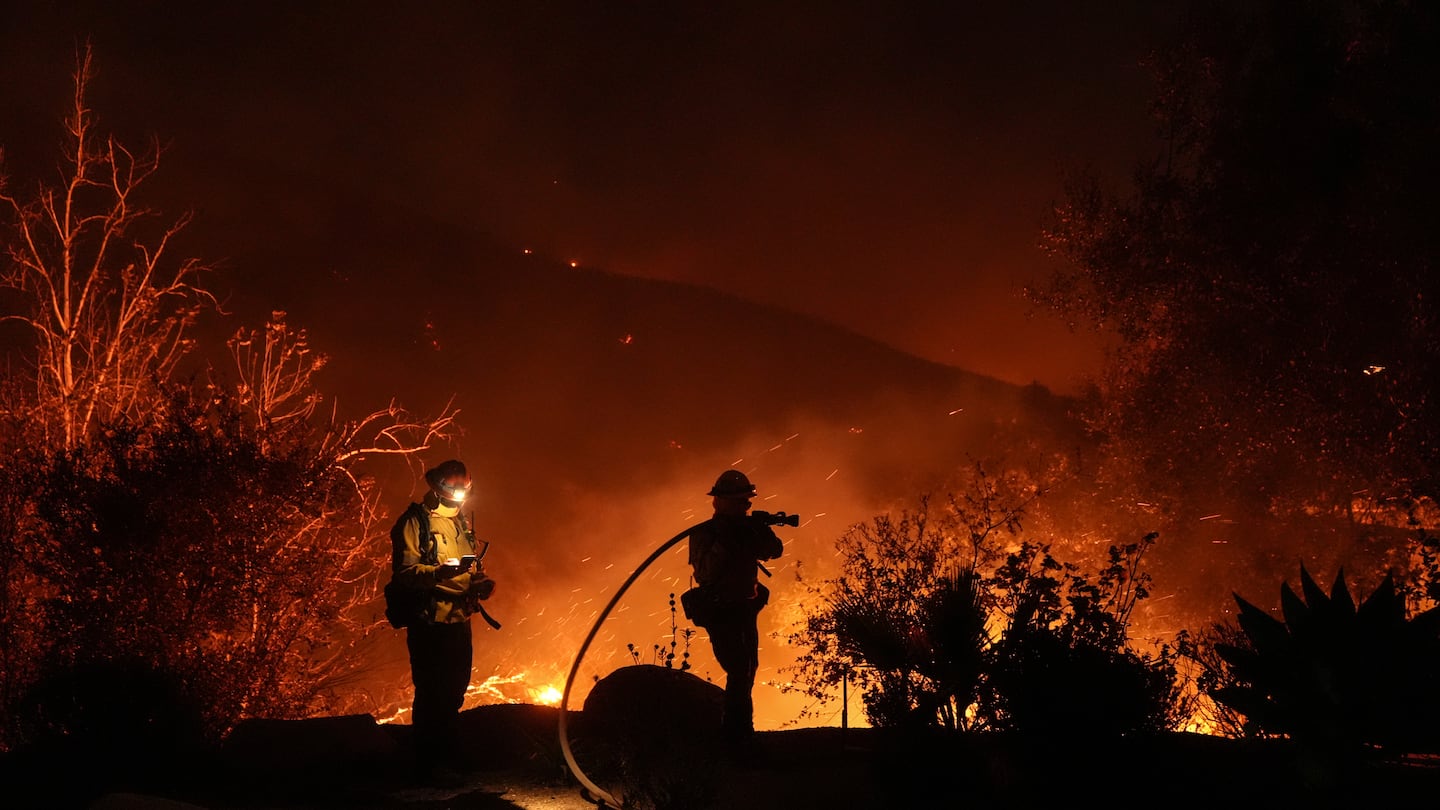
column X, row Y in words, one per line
column 351, row 762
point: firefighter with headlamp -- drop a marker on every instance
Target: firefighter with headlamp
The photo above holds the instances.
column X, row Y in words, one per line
column 434, row 554
column 453, row 491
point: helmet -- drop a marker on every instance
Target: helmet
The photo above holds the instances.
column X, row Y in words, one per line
column 732, row 484
column 449, row 481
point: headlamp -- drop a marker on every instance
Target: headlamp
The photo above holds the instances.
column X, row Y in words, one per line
column 453, row 490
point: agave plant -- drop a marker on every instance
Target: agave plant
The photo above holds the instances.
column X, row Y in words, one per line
column 1335, row 675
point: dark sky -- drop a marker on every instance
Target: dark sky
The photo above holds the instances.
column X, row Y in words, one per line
column 883, row 166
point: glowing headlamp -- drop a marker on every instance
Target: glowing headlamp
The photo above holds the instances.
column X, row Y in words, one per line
column 453, row 491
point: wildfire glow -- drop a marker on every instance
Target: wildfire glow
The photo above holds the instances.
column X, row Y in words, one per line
column 548, row 696
column 528, row 666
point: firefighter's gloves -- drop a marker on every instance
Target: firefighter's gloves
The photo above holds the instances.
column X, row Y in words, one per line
column 482, row 588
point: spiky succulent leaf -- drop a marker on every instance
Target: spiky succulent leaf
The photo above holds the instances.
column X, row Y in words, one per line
column 1351, row 679
column 1315, row 597
column 1246, row 666
column 1427, row 624
column 1340, row 598
column 1385, row 606
column 1266, row 633
column 1298, row 615
column 1258, row 708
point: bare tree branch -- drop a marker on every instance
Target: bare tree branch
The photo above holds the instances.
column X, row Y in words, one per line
column 110, row 312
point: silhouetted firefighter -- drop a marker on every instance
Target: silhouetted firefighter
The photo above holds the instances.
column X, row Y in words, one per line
column 726, row 552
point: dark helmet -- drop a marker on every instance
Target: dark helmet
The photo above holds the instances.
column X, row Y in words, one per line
column 732, row 484
column 449, row 481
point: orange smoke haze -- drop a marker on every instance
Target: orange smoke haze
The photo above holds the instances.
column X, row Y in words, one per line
column 637, row 245
column 555, row 583
column 880, row 167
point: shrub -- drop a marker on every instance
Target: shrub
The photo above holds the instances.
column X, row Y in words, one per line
column 1336, row 676
column 937, row 627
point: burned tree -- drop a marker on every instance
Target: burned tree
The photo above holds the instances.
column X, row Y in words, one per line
column 217, row 528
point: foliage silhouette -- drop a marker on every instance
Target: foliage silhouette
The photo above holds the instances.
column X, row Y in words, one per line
column 1063, row 663
column 1269, row 276
column 149, row 740
column 938, row 628
column 1340, row 678
column 177, row 548
column 211, row 525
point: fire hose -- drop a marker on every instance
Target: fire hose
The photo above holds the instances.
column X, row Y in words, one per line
column 591, row 791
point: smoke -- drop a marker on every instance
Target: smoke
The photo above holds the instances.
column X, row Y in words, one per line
column 380, row 177
column 562, row 552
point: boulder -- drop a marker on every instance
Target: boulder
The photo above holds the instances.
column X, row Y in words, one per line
column 651, row 734
column 653, row 700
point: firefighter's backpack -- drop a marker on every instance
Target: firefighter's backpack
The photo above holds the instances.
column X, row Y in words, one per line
column 406, row 607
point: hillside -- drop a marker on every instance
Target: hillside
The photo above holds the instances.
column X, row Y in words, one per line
column 575, row 364
column 597, row 409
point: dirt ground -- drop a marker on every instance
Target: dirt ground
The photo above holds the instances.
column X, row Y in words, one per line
column 302, row 766
column 350, row 763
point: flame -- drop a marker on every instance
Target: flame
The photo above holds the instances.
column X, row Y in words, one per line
column 547, row 696
column 513, row 688
column 552, row 620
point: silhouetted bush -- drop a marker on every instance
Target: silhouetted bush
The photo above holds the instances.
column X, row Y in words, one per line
column 937, row 627
column 1063, row 664
column 180, row 547
column 109, row 725
column 210, row 524
column 1340, row 678
column 1045, row 686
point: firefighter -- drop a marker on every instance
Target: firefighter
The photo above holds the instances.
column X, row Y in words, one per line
column 437, row 558
column 725, row 553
